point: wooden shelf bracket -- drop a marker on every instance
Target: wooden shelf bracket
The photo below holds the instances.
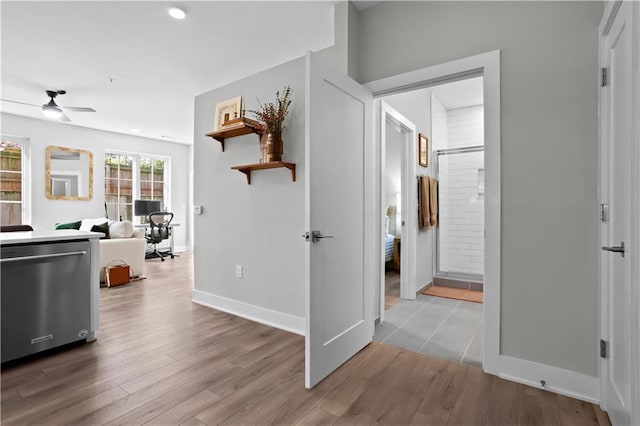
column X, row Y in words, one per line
column 248, row 168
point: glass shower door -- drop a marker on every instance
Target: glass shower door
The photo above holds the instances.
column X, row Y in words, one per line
column 460, row 235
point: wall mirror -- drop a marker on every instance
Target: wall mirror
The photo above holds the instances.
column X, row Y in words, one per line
column 69, row 173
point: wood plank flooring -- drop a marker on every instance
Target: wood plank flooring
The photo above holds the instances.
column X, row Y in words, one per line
column 162, row 360
column 391, row 289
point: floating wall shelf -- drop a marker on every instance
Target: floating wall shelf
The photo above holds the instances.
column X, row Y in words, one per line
column 235, row 127
column 247, row 169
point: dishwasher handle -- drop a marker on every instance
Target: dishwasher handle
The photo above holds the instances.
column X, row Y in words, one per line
column 43, row 256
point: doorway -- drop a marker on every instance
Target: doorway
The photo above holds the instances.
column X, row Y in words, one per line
column 398, row 135
column 435, row 316
column 326, row 349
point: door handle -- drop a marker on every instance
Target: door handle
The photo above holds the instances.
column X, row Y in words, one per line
column 315, row 236
column 616, row 249
column 43, row 256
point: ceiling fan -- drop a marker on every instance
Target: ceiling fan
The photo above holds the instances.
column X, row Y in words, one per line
column 52, row 110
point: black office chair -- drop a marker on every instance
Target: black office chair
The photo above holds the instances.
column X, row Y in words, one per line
column 159, row 230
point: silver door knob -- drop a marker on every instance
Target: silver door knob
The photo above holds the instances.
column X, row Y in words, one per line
column 315, row 236
column 616, row 249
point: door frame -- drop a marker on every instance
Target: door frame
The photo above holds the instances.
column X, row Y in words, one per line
column 409, row 213
column 611, row 10
column 488, row 65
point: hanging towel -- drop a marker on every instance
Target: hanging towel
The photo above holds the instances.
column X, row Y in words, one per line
column 433, row 201
column 424, row 220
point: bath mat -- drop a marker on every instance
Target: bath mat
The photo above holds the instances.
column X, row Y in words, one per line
column 455, row 293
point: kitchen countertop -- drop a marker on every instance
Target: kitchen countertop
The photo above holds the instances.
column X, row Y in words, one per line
column 46, row 236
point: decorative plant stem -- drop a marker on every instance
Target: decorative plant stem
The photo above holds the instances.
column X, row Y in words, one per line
column 272, row 114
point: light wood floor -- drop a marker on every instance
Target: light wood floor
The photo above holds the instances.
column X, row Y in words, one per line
column 160, row 359
column 391, row 289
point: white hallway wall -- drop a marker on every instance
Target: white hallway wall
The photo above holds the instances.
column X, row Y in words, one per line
column 258, row 226
column 46, row 213
column 549, row 153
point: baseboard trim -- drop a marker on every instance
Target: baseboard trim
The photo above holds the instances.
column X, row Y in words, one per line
column 423, row 288
column 558, row 380
column 182, row 249
column 255, row 313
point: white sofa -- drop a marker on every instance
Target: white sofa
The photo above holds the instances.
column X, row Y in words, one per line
column 126, row 244
column 130, row 250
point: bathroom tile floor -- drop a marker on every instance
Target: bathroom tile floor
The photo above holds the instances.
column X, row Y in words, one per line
column 443, row 328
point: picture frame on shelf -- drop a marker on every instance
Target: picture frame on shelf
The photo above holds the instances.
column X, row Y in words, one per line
column 423, row 150
column 227, row 110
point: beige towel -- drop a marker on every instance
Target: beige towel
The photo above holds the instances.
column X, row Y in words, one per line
column 424, row 220
column 433, row 201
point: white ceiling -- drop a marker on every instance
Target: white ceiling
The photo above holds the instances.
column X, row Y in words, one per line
column 459, row 94
column 138, row 67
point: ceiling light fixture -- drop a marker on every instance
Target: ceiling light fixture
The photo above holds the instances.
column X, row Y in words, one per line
column 135, row 130
column 51, row 111
column 177, row 13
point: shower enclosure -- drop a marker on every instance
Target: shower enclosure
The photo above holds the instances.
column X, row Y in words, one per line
column 460, row 232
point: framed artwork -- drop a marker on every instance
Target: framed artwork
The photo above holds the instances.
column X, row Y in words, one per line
column 423, row 150
column 228, row 110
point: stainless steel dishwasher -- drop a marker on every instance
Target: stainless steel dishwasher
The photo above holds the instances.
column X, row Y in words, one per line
column 45, row 296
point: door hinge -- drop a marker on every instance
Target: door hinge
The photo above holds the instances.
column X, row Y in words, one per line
column 604, row 212
column 603, row 348
column 603, row 77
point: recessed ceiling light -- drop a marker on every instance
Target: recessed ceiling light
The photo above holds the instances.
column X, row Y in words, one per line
column 135, row 130
column 177, row 13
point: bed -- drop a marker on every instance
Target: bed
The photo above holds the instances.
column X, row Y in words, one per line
column 388, row 247
column 388, row 241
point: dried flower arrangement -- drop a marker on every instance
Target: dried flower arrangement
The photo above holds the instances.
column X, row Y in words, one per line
column 272, row 115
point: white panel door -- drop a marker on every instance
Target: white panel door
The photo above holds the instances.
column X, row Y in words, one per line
column 616, row 192
column 339, row 286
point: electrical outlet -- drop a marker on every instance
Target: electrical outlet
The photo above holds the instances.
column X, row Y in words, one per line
column 238, row 271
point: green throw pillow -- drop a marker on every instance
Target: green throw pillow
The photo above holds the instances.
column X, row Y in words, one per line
column 103, row 227
column 70, row 225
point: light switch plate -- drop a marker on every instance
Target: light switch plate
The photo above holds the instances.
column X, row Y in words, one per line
column 197, row 209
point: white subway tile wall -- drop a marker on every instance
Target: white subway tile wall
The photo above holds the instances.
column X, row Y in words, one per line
column 461, row 186
column 465, row 127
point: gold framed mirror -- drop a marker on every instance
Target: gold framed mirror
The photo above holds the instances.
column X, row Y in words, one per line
column 69, row 173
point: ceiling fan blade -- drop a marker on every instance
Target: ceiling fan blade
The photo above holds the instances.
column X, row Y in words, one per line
column 64, row 118
column 21, row 103
column 78, row 109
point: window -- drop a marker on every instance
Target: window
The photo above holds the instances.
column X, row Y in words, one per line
column 14, row 182
column 152, row 179
column 129, row 177
column 118, row 186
